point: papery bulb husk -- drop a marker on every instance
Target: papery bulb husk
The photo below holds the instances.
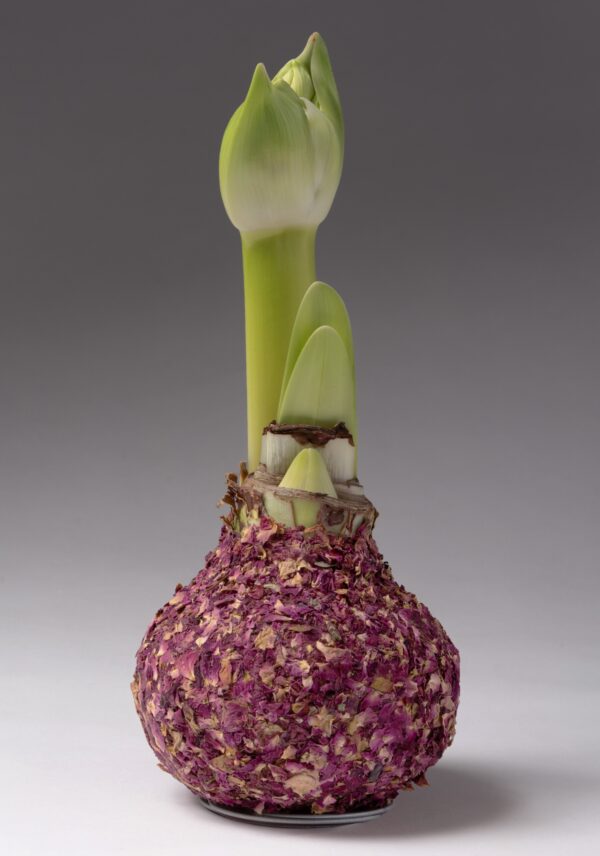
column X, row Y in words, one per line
column 294, row 673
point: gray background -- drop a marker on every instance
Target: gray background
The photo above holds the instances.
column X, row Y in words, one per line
column 464, row 238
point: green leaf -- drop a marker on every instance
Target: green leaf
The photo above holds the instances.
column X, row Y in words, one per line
column 321, row 305
column 320, row 390
column 308, row 472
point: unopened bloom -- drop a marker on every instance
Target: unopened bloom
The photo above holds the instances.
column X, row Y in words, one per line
column 282, row 151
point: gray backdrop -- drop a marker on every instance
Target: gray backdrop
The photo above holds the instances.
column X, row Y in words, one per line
column 464, row 239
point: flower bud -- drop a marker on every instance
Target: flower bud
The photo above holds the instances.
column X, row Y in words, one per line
column 282, row 151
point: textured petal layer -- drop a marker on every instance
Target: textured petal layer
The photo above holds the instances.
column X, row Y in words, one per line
column 294, row 673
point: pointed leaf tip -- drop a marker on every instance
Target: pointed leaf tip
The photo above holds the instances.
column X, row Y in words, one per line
column 260, row 82
column 308, row 472
column 305, row 55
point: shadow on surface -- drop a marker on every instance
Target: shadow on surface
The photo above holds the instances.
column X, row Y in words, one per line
column 457, row 798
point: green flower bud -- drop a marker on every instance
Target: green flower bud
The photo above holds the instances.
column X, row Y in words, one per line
column 282, row 151
column 297, row 76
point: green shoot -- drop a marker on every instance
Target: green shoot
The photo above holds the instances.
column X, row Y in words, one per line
column 320, row 390
column 321, row 305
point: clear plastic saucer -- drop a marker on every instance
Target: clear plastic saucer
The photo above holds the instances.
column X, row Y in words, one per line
column 283, row 819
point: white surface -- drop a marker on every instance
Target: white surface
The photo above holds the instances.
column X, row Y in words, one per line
column 79, row 779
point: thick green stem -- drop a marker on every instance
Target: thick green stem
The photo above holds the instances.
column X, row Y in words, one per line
column 278, row 269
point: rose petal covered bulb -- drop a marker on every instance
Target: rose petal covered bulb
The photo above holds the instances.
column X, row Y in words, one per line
column 294, row 673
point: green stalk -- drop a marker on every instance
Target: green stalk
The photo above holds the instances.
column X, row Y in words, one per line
column 278, row 269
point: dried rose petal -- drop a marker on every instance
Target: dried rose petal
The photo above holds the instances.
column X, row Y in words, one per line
column 294, row 672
